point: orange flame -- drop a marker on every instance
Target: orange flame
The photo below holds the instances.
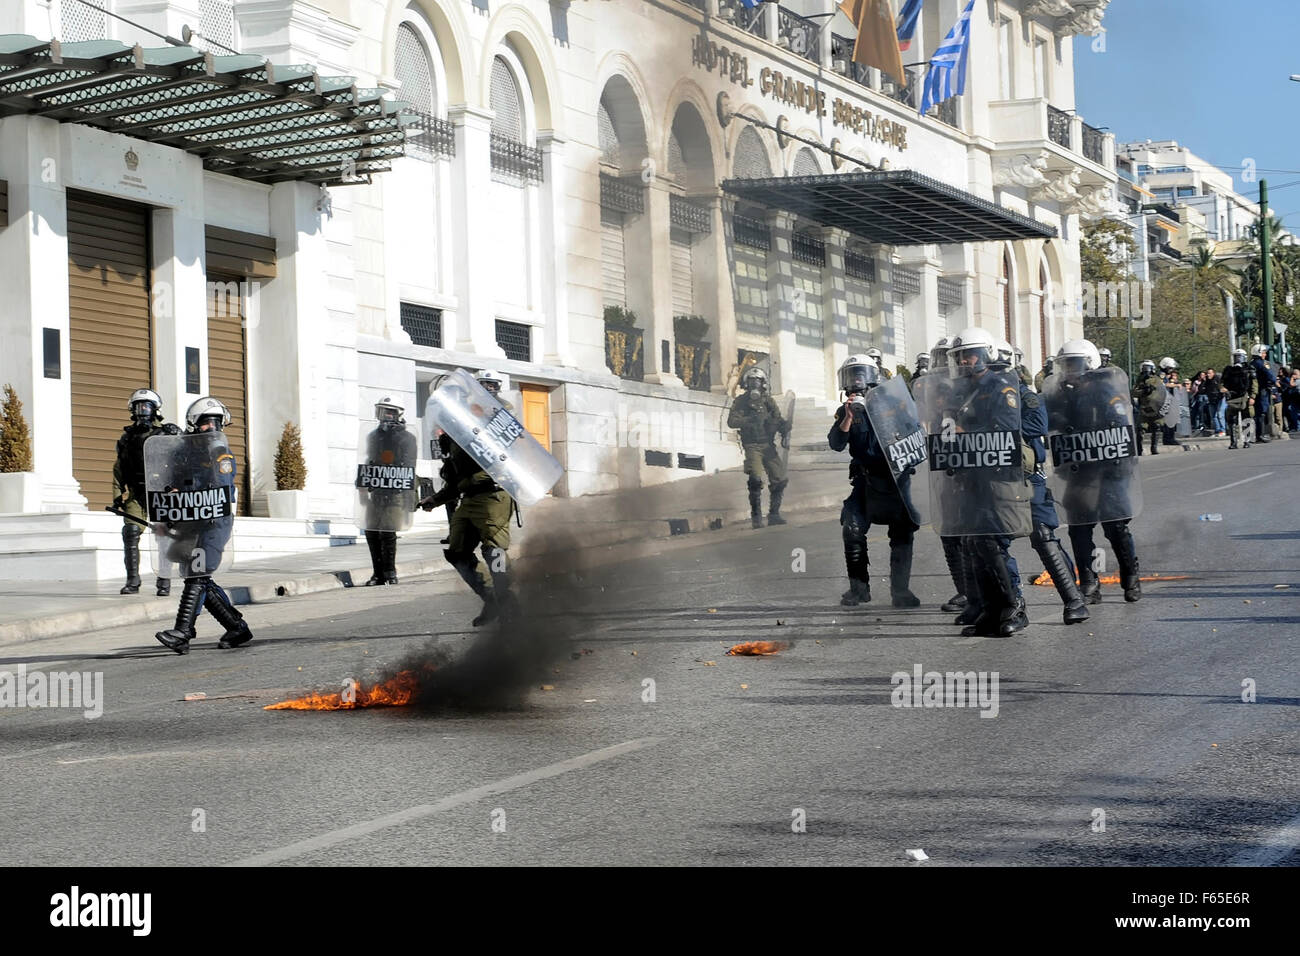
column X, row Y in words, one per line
column 1044, row 580
column 757, row 648
column 395, row 692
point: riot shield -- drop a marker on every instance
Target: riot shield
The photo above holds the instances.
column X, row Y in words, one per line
column 386, row 486
column 1093, row 447
column 978, row 484
column 191, row 498
column 1172, row 409
column 782, row 442
column 1155, row 404
column 494, row 438
column 897, row 425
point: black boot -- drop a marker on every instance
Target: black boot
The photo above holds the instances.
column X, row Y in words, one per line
column 776, row 491
column 466, row 566
column 1155, row 442
column 1126, row 556
column 756, row 504
column 178, row 638
column 975, row 589
column 997, row 576
column 218, row 605
column 374, row 540
column 131, row 557
column 952, row 555
column 1082, row 545
column 1058, row 566
column 389, row 548
column 858, row 568
column 900, row 575
column 163, row 587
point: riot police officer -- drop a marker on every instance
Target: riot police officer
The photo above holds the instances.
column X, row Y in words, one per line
column 386, row 491
column 1265, row 382
column 193, row 536
column 1103, row 355
column 1042, row 375
column 939, row 386
column 922, row 364
column 876, row 497
column 1241, row 387
column 128, row 482
column 1151, row 397
column 878, row 357
column 1095, row 448
column 760, row 422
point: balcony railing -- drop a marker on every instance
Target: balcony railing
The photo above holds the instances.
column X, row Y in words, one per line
column 1094, row 144
column 622, row 195
column 429, row 136
column 907, row 95
column 842, row 60
column 949, row 111
column 750, row 19
column 798, row 35
column 690, row 216
column 1058, row 127
column 515, row 159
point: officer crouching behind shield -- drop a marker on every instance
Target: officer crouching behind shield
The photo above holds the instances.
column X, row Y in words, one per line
column 876, row 498
column 191, row 490
column 129, row 485
column 759, row 422
column 386, row 488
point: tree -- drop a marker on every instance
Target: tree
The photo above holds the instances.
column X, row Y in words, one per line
column 290, row 468
column 1105, row 249
column 15, row 438
column 1285, row 261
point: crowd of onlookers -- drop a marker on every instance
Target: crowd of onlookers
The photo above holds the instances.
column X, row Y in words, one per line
column 1208, row 400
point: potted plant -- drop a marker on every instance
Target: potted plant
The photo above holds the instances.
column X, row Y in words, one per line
column 20, row 487
column 692, row 350
column 289, row 500
column 623, row 343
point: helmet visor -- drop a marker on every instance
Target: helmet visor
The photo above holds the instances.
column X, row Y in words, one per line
column 858, row 378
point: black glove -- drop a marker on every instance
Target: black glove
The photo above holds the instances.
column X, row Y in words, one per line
column 170, row 429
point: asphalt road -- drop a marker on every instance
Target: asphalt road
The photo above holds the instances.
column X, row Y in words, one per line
column 1135, row 718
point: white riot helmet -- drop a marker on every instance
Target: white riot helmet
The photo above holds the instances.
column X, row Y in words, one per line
column 858, row 373
column 1239, row 356
column 1261, row 350
column 923, row 360
column 755, row 379
column 144, row 396
column 972, row 350
column 1003, row 355
column 492, row 380
column 939, row 354
column 876, row 356
column 388, row 412
column 1104, row 354
column 1078, row 356
column 1167, row 364
column 1148, row 367
column 207, row 408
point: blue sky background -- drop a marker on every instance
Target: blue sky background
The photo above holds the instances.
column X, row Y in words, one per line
column 1211, row 74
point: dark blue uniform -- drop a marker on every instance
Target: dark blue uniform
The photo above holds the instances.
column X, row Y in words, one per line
column 1267, row 381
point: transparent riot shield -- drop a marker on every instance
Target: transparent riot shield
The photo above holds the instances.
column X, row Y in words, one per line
column 894, row 418
column 1152, row 399
column 191, row 500
column 387, row 488
column 1093, row 447
column 978, row 482
column 494, row 438
column 1172, row 408
column 782, row 442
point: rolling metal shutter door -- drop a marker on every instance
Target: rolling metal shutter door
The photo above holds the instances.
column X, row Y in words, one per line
column 680, row 254
column 227, row 377
column 110, row 336
column 613, row 266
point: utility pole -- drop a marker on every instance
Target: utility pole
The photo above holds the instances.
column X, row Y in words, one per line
column 1265, row 242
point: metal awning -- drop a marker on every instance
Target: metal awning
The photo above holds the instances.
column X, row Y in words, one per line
column 897, row 207
column 241, row 114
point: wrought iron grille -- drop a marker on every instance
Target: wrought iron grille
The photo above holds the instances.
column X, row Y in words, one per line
column 950, row 292
column 80, row 21
column 751, row 232
column 621, row 195
column 429, row 137
column 623, row 352
column 690, row 462
column 516, row 340
column 422, row 324
column 905, row 94
column 751, row 20
column 1058, row 126
column 842, row 60
column 808, row 249
column 1094, row 144
column 798, row 35
column 906, row 281
column 217, row 23
column 859, row 266
column 514, row 158
column 687, row 215
column 949, row 111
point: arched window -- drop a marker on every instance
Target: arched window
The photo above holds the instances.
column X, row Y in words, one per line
column 217, row 24
column 81, row 22
column 676, row 157
column 750, row 160
column 506, row 102
column 608, row 135
column 413, row 67
column 805, row 163
column 1006, row 297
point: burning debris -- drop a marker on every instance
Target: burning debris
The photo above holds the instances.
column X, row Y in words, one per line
column 1044, row 580
column 757, row 648
column 396, row 691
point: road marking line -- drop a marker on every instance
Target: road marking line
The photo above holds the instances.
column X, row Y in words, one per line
column 411, row 814
column 40, row 750
column 1233, row 485
column 151, row 753
column 1277, row 845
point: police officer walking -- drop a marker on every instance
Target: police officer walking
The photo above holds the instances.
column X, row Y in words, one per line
column 192, row 499
column 129, row 485
column 877, row 496
column 1240, row 388
column 1151, row 397
column 756, row 416
column 1033, row 430
column 386, row 488
column 1265, row 383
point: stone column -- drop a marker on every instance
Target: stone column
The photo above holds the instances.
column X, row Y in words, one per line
column 180, row 300
column 34, row 291
column 713, row 288
column 835, row 306
column 553, row 257
column 780, row 294
column 473, row 261
column 650, row 281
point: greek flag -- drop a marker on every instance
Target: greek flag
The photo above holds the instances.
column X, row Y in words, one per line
column 950, row 58
column 907, row 18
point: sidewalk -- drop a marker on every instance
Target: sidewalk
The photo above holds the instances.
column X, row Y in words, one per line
column 30, row 610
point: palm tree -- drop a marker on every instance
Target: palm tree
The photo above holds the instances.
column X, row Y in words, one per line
column 1285, row 264
column 1206, row 269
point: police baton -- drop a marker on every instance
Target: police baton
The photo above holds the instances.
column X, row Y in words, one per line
column 129, row 517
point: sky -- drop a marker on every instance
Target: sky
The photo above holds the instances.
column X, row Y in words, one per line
column 1211, row 74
